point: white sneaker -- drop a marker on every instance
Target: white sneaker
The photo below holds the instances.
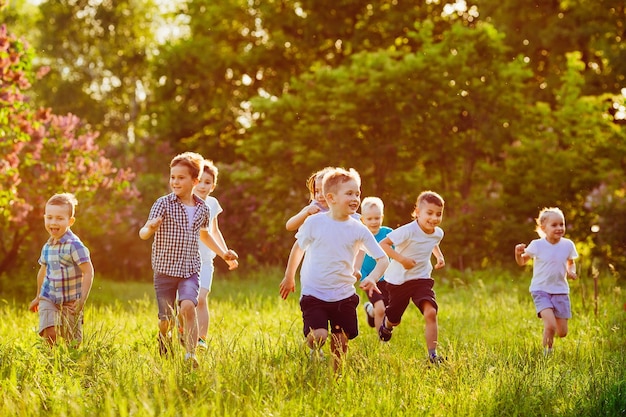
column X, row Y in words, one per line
column 191, row 358
column 316, row 354
column 369, row 310
column 202, row 345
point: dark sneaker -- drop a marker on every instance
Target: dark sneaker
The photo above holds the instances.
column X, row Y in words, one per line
column 369, row 312
column 436, row 359
column 384, row 333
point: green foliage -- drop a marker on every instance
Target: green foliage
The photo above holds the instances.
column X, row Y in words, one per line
column 257, row 365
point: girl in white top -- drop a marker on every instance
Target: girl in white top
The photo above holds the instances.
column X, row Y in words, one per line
column 208, row 182
column 553, row 262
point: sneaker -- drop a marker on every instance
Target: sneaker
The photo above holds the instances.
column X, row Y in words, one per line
column 436, row 359
column 384, row 333
column 369, row 311
column 547, row 352
column 191, row 358
column 202, row 345
column 316, row 354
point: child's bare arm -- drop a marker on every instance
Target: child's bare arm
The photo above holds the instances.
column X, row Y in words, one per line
column 41, row 274
column 387, row 246
column 296, row 220
column 438, row 254
column 369, row 283
column 150, row 227
column 520, row 257
column 215, row 231
column 288, row 284
column 87, row 269
column 571, row 269
column 209, row 240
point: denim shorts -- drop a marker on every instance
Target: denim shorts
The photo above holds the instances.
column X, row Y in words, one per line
column 168, row 287
column 558, row 302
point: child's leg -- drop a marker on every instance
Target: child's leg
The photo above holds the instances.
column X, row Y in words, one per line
column 379, row 313
column 339, row 348
column 561, row 327
column 316, row 338
column 549, row 327
column 190, row 324
column 203, row 313
column 431, row 330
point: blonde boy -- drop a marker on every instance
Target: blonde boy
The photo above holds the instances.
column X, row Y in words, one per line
column 329, row 243
column 65, row 276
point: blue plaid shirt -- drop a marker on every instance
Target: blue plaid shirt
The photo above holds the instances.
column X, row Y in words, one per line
column 64, row 278
column 175, row 249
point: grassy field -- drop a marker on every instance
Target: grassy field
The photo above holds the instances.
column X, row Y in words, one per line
column 257, row 364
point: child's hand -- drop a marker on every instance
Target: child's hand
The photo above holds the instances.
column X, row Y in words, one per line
column 34, row 305
column 572, row 274
column 230, row 255
column 313, row 209
column 369, row 286
column 232, row 264
column 154, row 224
column 519, row 249
column 408, row 263
column 287, row 285
column 440, row 263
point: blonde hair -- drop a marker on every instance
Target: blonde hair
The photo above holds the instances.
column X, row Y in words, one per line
column 543, row 217
column 336, row 176
column 64, row 199
column 372, row 202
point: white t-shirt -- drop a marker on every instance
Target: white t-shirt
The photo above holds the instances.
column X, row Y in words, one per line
column 550, row 264
column 411, row 241
column 207, row 254
column 330, row 248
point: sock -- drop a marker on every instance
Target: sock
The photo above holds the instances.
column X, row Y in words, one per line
column 432, row 353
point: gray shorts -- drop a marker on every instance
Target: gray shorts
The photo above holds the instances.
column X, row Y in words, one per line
column 558, row 302
column 68, row 325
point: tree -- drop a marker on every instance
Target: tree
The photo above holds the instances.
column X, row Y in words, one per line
column 44, row 154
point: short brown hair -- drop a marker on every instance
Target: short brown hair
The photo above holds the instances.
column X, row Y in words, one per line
column 209, row 167
column 191, row 160
column 64, row 199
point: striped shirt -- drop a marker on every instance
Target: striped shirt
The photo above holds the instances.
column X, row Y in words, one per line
column 64, row 278
column 175, row 249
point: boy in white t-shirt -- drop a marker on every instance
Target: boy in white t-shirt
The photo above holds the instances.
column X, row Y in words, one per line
column 409, row 275
column 329, row 243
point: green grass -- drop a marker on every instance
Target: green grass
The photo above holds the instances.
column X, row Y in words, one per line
column 257, row 364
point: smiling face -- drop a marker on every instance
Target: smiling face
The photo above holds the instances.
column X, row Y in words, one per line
column 205, row 186
column 181, row 181
column 57, row 220
column 428, row 216
column 345, row 200
column 372, row 217
column 554, row 227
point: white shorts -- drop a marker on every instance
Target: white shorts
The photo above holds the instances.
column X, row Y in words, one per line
column 206, row 274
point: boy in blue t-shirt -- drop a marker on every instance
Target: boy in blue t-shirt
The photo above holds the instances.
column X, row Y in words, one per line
column 372, row 214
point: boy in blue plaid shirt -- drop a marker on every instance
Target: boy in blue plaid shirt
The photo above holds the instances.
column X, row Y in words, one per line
column 178, row 220
column 65, row 275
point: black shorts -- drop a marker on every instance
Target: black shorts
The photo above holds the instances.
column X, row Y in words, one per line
column 418, row 290
column 341, row 314
column 384, row 296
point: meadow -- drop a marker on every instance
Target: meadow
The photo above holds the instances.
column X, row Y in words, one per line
column 257, row 365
